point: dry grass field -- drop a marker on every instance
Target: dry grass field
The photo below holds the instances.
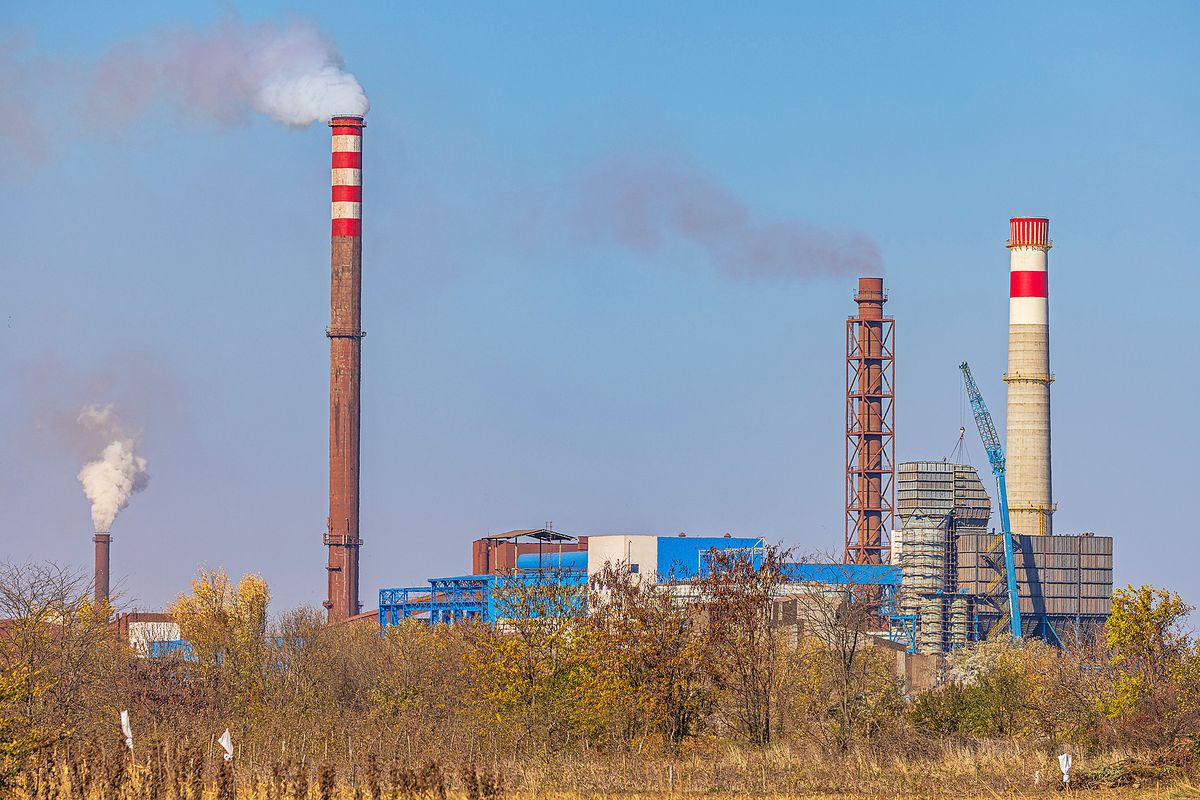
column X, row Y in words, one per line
column 1002, row 769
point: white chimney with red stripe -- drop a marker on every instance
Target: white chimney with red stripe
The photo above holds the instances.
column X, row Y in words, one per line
column 1027, row 446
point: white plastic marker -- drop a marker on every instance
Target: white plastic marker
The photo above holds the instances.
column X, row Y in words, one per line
column 128, row 731
column 1064, row 763
column 226, row 741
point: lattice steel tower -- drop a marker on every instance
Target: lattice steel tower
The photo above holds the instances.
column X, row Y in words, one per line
column 870, row 426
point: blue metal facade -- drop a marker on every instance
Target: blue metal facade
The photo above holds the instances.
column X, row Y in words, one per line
column 172, row 647
column 682, row 558
column 844, row 574
column 484, row 598
column 576, row 559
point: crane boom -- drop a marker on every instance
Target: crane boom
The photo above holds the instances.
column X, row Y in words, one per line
column 995, row 455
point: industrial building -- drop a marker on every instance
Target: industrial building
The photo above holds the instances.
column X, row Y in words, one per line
column 1064, row 583
column 673, row 562
column 920, row 531
column 961, row 581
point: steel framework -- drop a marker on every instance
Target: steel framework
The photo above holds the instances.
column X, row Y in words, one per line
column 482, row 598
column 870, row 426
column 445, row 600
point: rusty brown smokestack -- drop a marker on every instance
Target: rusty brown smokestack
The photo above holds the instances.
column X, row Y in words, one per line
column 103, row 541
column 870, row 428
column 345, row 364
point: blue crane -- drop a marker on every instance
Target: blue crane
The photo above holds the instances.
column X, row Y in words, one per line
column 995, row 455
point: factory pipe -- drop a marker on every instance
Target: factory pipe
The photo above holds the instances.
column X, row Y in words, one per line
column 345, row 363
column 1027, row 441
column 103, row 541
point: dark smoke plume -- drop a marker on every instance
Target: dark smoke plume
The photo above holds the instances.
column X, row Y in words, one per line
column 641, row 203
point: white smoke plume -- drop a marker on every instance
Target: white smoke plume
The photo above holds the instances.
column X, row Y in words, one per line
column 642, row 201
column 290, row 73
column 111, row 480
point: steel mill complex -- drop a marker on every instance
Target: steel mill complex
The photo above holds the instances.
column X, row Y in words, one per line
column 953, row 558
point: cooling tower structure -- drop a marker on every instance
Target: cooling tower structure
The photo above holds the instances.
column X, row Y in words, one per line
column 103, row 542
column 1027, row 446
column 345, row 363
column 870, row 429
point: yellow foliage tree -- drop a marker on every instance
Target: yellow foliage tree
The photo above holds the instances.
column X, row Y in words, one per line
column 59, row 644
column 226, row 627
column 17, row 742
column 647, row 658
column 1155, row 664
column 531, row 663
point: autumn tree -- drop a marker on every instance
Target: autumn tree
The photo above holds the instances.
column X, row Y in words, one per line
column 735, row 593
column 531, row 662
column 1025, row 690
column 1155, row 692
column 842, row 675
column 648, row 654
column 56, row 645
column 423, row 678
column 226, row 626
column 17, row 740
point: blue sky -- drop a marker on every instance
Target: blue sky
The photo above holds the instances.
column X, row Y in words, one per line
column 516, row 372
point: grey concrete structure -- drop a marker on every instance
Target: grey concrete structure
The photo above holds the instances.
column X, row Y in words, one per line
column 1027, row 446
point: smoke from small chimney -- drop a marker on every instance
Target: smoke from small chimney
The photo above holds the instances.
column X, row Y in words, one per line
column 111, row 480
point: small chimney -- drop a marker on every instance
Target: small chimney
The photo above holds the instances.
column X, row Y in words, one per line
column 102, row 539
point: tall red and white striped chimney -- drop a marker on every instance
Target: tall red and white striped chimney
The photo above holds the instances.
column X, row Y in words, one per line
column 345, row 365
column 1027, row 446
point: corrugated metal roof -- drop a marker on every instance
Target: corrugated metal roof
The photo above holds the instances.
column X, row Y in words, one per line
column 542, row 534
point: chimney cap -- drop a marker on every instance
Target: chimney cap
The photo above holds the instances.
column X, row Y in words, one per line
column 344, row 120
column 871, row 293
column 1029, row 232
